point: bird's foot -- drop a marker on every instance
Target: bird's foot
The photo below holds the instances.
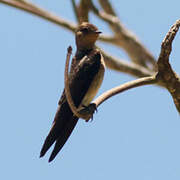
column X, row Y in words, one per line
column 88, row 111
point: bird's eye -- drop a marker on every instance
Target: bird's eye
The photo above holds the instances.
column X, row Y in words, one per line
column 84, row 30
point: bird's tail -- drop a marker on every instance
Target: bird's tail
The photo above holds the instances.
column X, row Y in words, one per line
column 62, row 128
column 63, row 137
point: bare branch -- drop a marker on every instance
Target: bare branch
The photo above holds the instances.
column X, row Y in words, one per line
column 107, row 7
column 83, row 10
column 124, row 38
column 165, row 73
column 34, row 9
column 66, row 83
column 107, row 39
column 123, row 66
column 124, row 87
column 75, row 10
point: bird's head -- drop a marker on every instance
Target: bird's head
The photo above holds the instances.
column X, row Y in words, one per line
column 86, row 35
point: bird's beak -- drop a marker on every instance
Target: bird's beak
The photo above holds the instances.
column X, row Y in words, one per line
column 98, row 32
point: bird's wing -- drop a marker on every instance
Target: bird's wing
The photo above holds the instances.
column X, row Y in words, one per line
column 65, row 121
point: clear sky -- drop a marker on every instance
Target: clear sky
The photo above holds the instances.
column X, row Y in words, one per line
column 134, row 136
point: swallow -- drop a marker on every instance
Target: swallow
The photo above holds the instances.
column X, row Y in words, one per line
column 85, row 78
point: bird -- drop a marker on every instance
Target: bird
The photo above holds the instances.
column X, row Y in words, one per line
column 85, row 78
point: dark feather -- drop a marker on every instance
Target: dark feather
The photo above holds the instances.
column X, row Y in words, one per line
column 81, row 77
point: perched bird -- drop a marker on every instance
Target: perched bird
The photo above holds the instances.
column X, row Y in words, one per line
column 85, row 78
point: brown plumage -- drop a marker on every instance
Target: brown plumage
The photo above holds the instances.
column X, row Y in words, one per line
column 84, row 80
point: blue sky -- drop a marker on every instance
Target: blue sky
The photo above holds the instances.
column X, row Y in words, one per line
column 135, row 135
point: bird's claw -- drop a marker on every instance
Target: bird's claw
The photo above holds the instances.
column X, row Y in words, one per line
column 88, row 111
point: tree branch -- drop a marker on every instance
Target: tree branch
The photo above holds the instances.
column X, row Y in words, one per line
column 106, row 5
column 166, row 75
column 125, row 87
column 83, row 10
column 75, row 10
column 125, row 38
column 124, row 66
column 35, row 10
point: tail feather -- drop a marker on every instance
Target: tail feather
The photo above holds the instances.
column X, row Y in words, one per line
column 63, row 137
column 50, row 139
column 57, row 127
column 64, row 123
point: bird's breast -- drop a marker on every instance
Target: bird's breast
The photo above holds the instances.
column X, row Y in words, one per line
column 95, row 84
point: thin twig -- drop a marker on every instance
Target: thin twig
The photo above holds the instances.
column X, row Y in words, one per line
column 124, row 38
column 70, row 101
column 111, row 62
column 83, row 10
column 34, row 9
column 107, row 7
column 75, row 10
column 125, row 66
column 125, row 87
column 66, row 83
column 42, row 13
